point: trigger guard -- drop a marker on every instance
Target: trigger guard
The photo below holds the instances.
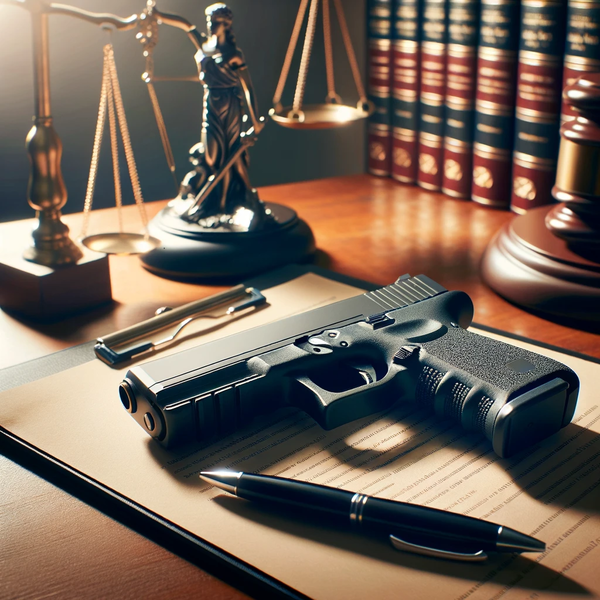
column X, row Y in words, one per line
column 332, row 409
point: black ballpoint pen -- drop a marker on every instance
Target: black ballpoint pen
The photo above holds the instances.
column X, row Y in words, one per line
column 410, row 527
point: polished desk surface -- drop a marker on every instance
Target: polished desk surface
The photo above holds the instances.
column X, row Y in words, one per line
column 365, row 227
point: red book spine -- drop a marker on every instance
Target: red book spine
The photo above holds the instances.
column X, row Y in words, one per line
column 541, row 49
column 379, row 133
column 495, row 102
column 405, row 77
column 461, row 71
column 582, row 50
column 431, row 95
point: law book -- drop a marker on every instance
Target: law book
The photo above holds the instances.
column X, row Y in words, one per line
column 461, row 75
column 537, row 115
column 432, row 94
column 379, row 132
column 405, row 90
column 582, row 50
column 495, row 102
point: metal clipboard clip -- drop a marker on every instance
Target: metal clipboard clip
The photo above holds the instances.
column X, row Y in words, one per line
column 404, row 546
column 122, row 345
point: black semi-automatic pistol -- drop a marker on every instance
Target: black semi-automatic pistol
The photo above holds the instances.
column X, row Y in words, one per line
column 406, row 341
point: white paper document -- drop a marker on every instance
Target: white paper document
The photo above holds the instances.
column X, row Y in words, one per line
column 551, row 491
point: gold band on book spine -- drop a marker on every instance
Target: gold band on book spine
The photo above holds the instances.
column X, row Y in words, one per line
column 528, row 161
column 453, row 193
column 380, row 91
column 492, row 153
column 406, row 95
column 496, row 54
column 579, row 63
column 406, row 46
column 487, row 201
column 516, row 209
column 458, row 103
column 460, row 51
column 408, row 79
column 535, row 116
column 585, row 179
column 404, row 135
column 381, row 11
column 379, row 129
column 429, row 186
column 430, row 140
column 379, row 70
column 493, row 108
column 584, row 4
column 433, row 48
column 535, row 59
column 432, row 99
column 458, row 146
column 406, row 63
column 402, row 178
column 541, row 3
column 380, row 44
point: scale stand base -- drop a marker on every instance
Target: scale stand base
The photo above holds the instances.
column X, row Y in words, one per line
column 528, row 265
column 48, row 294
column 189, row 251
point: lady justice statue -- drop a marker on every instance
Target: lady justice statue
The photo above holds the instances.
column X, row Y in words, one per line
column 218, row 226
column 218, row 193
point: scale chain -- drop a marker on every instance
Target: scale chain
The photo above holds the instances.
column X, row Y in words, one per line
column 331, row 95
column 114, row 143
column 350, row 51
column 306, row 52
column 89, row 194
column 290, row 53
column 133, row 174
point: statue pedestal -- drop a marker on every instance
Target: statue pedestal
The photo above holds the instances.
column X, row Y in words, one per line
column 529, row 265
column 188, row 251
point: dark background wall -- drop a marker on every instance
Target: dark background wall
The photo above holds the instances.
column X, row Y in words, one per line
column 262, row 28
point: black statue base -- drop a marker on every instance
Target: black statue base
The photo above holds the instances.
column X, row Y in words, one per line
column 530, row 266
column 190, row 251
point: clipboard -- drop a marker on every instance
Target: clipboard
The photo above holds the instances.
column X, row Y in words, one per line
column 131, row 514
column 194, row 548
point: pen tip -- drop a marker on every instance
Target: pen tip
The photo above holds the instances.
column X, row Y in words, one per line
column 225, row 480
column 512, row 540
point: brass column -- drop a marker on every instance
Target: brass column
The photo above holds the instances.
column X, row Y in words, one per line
column 46, row 191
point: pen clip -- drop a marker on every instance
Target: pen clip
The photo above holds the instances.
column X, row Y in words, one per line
column 404, row 546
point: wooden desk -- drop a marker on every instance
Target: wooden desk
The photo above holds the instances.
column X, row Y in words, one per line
column 365, row 227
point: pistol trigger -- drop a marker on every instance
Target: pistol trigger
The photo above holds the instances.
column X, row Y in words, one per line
column 367, row 372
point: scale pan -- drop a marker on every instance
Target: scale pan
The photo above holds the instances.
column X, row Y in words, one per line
column 121, row 243
column 319, row 116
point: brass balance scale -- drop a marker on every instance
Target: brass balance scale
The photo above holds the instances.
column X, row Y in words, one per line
column 52, row 245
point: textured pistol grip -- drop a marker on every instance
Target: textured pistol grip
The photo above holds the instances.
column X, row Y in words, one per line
column 469, row 378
